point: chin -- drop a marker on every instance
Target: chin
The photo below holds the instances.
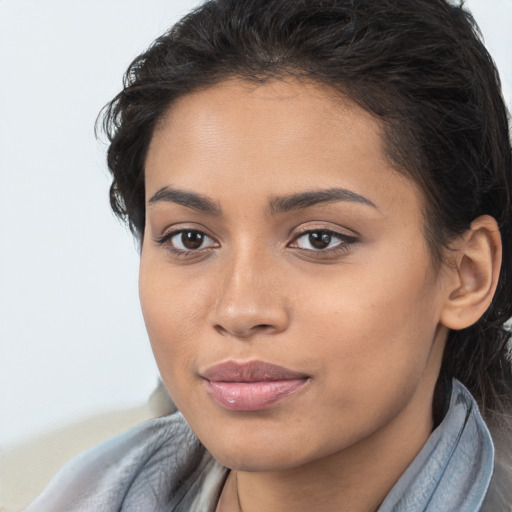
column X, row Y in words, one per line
column 256, row 459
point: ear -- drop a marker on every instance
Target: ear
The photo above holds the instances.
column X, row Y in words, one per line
column 475, row 272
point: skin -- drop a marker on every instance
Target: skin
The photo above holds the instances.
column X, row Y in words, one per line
column 365, row 318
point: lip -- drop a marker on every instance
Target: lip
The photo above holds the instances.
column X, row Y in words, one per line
column 251, row 386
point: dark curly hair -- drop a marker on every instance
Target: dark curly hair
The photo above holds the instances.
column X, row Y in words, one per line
column 418, row 65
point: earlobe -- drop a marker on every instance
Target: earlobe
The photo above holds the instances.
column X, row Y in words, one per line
column 476, row 270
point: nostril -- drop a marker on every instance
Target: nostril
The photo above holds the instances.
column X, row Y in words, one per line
column 244, row 315
column 221, row 330
column 262, row 327
column 242, row 332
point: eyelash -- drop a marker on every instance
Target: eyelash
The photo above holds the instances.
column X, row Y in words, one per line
column 166, row 240
column 345, row 242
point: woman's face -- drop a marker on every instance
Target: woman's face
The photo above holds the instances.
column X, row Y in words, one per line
column 285, row 281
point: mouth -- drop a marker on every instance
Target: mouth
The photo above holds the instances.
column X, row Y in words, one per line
column 251, row 386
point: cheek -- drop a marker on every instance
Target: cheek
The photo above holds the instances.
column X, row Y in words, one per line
column 172, row 313
column 373, row 327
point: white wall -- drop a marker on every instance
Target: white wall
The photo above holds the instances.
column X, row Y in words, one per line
column 72, row 340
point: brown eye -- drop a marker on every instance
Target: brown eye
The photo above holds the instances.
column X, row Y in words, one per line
column 323, row 240
column 320, row 239
column 192, row 239
column 186, row 240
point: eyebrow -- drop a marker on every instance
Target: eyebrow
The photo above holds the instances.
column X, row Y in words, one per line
column 307, row 199
column 189, row 199
column 281, row 204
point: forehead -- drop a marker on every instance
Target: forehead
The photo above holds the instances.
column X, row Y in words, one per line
column 280, row 135
column 265, row 101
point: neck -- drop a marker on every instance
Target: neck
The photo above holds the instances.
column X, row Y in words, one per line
column 357, row 478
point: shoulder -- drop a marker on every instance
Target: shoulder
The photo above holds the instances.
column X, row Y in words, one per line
column 148, row 467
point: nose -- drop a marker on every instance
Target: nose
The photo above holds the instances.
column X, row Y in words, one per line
column 250, row 299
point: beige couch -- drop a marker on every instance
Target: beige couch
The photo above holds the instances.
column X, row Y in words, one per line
column 25, row 469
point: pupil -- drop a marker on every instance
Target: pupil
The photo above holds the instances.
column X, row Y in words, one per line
column 192, row 239
column 319, row 240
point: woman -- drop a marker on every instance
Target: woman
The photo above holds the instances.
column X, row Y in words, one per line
column 321, row 190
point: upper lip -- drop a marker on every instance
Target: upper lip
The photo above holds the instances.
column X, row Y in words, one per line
column 250, row 371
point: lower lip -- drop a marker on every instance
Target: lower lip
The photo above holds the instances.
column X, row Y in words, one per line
column 252, row 396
